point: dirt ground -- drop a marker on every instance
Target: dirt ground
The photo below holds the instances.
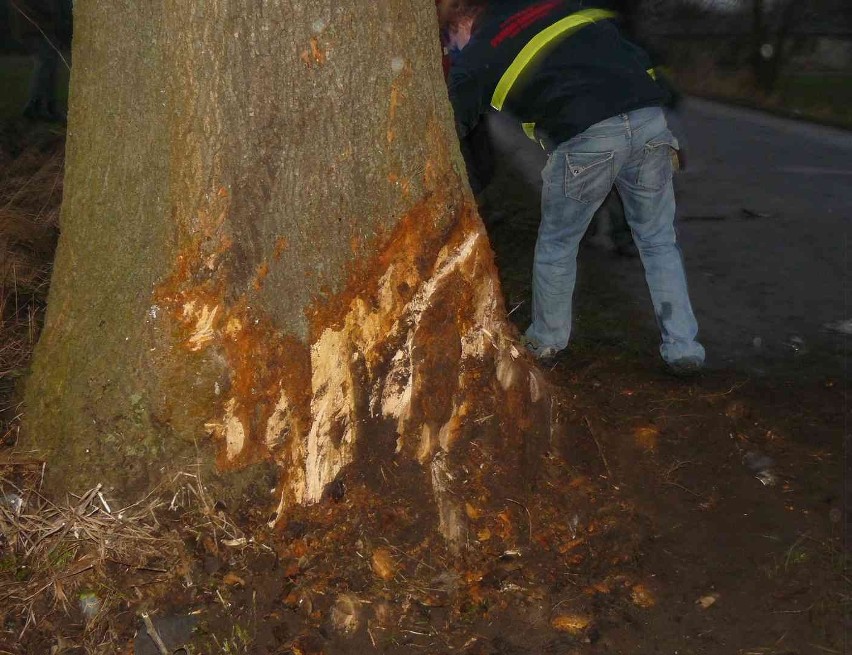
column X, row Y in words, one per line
column 732, row 484
column 664, row 516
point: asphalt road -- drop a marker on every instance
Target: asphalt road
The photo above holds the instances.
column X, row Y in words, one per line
column 765, row 223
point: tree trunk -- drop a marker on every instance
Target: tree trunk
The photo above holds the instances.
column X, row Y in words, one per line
column 773, row 31
column 269, row 260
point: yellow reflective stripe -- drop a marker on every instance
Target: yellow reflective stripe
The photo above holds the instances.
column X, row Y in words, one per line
column 559, row 28
column 529, row 130
column 653, row 73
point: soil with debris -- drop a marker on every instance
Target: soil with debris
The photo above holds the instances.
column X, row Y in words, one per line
column 665, row 516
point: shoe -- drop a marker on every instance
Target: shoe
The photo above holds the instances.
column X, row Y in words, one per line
column 686, row 367
column 541, row 353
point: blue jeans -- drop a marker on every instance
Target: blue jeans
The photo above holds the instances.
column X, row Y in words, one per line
column 633, row 152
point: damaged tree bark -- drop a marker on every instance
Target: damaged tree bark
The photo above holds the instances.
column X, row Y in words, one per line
column 269, row 252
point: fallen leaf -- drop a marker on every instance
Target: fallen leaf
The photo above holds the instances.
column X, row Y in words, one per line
column 706, row 601
column 476, row 593
column 571, row 545
column 602, row 587
column 504, row 526
column 473, row 576
column 233, row 579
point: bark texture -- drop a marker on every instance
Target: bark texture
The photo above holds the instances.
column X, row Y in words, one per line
column 268, row 252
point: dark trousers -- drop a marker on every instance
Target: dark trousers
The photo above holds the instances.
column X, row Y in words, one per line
column 42, row 92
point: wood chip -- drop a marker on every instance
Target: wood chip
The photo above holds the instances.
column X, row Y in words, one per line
column 483, row 535
column 571, row 623
column 383, row 564
column 642, row 596
column 706, row 601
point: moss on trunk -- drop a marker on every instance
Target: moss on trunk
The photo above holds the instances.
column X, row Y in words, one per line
column 268, row 254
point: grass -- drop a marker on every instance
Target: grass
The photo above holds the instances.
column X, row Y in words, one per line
column 827, row 97
column 85, row 559
column 823, row 97
column 31, row 165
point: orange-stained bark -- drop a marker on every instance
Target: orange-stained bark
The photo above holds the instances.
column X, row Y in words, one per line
column 278, row 262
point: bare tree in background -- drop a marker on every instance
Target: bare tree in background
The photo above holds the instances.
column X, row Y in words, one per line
column 772, row 25
column 767, row 29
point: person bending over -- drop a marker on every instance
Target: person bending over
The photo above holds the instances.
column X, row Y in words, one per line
column 590, row 98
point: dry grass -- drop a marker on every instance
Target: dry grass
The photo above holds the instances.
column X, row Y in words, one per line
column 75, row 575
column 30, row 195
column 46, row 547
column 87, row 563
column 814, row 96
column 703, row 77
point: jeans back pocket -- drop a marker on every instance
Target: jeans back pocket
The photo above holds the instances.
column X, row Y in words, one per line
column 588, row 175
column 656, row 169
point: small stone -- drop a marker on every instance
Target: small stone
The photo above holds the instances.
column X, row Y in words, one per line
column 706, row 601
column 767, row 478
column 756, row 461
column 346, row 614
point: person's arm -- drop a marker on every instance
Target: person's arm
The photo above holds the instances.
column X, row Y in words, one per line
column 466, row 97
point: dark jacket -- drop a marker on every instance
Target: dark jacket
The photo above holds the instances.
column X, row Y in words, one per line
column 581, row 79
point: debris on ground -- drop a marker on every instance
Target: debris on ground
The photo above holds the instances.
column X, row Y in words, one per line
column 624, row 526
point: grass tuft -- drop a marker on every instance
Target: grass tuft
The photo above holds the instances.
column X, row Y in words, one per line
column 31, row 167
